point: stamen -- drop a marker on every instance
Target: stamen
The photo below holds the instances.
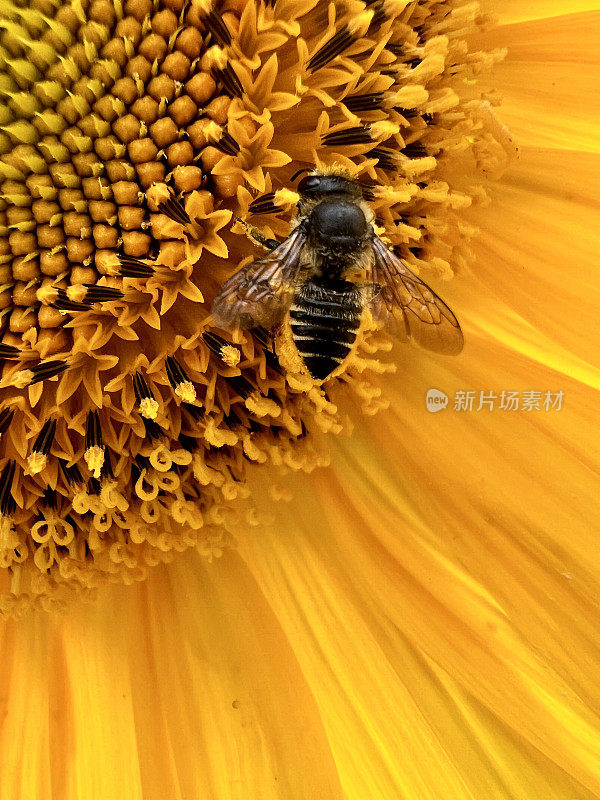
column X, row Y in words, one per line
column 71, row 474
column 407, row 113
column 348, row 136
column 229, row 80
column 41, row 447
column 364, row 102
column 63, row 303
column 49, row 498
column 222, row 348
column 96, row 293
column 7, row 503
column 147, row 404
column 94, row 447
column 196, row 412
column 262, row 336
column 232, row 420
column 379, row 17
column 415, row 150
column 184, row 388
column 264, row 204
column 6, row 416
column 134, row 268
column 227, row 144
column 241, row 384
column 153, row 431
column 395, row 49
column 175, row 210
column 81, row 297
column 368, row 191
column 385, row 158
column 272, row 361
column 187, row 442
column 217, row 28
column 7, row 351
column 46, row 370
column 334, row 47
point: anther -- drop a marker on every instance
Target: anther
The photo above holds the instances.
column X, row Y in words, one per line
column 227, row 144
column 196, row 412
column 187, row 442
column 218, row 29
column 7, row 503
column 385, row 158
column 264, row 204
column 232, row 420
column 407, row 113
column 95, row 293
column 364, row 102
column 272, row 361
column 222, row 348
column 49, row 498
column 334, row 47
column 395, row 49
column 379, row 17
column 94, row 446
column 359, row 134
column 41, row 447
column 6, row 416
column 7, row 351
column 262, row 336
column 147, row 404
column 134, row 268
column 184, row 388
column 46, row 370
column 415, row 150
column 229, row 80
column 241, row 384
column 175, row 210
column 71, row 474
column 153, row 431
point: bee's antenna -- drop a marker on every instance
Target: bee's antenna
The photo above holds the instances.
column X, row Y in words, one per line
column 299, row 172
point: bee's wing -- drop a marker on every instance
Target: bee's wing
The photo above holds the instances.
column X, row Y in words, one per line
column 409, row 306
column 259, row 293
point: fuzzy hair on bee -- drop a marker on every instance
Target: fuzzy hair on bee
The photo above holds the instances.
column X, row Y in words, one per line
column 311, row 290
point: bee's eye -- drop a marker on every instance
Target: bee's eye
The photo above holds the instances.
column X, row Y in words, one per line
column 310, row 184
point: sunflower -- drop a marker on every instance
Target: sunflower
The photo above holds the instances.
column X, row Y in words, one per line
column 416, row 620
column 139, row 145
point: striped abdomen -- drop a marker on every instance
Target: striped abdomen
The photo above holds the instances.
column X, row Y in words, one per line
column 324, row 318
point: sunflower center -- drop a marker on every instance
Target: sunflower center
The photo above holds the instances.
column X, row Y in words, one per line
column 133, row 136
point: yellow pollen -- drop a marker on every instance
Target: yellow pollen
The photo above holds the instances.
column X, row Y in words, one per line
column 359, row 24
column 158, row 193
column 286, row 198
column 37, row 462
column 21, row 379
column 230, row 355
column 94, row 458
column 262, row 406
column 384, row 129
column 148, row 407
column 186, row 392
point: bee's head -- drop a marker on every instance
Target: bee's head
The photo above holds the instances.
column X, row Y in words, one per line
column 318, row 186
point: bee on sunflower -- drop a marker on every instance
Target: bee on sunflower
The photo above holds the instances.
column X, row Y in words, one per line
column 417, row 620
column 139, row 141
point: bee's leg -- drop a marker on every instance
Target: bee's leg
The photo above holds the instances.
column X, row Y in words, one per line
column 258, row 236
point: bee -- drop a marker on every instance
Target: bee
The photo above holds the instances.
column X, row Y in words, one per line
column 331, row 278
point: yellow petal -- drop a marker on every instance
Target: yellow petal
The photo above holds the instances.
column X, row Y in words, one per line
column 556, row 55
column 182, row 694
